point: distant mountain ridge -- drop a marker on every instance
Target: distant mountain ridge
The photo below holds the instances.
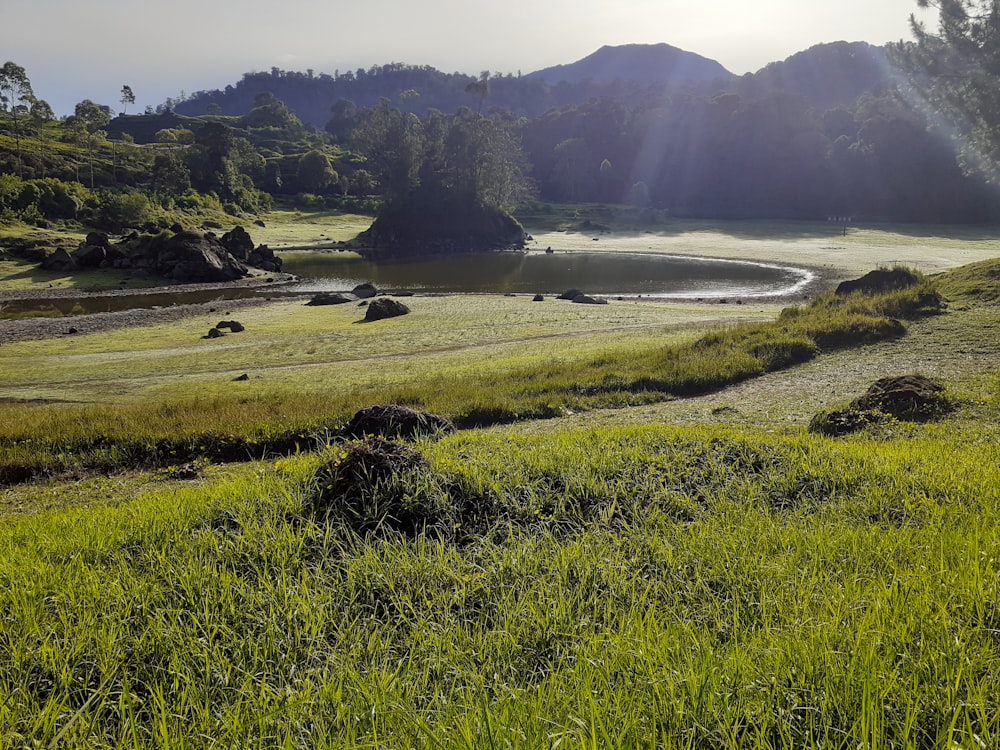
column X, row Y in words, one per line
column 637, row 63
column 826, row 75
column 829, row 75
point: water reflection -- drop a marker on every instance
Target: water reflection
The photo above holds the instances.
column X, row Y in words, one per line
column 532, row 273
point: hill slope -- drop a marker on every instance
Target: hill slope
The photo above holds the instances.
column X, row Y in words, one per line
column 636, row 63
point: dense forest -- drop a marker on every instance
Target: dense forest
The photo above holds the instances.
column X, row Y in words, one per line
column 837, row 130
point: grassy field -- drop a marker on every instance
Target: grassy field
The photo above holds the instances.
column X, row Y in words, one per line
column 668, row 559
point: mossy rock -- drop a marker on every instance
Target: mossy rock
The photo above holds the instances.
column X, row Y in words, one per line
column 394, row 421
column 910, row 398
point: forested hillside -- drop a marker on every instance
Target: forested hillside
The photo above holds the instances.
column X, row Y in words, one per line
column 834, row 131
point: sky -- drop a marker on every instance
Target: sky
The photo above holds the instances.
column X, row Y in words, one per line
column 73, row 50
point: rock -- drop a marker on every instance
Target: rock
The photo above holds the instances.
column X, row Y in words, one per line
column 233, row 325
column 237, row 241
column 259, row 223
column 385, row 307
column 59, row 261
column 264, row 258
column 90, row 256
column 214, row 333
column 538, row 298
column 878, row 282
column 586, row 299
column 394, row 421
column 190, row 258
column 241, row 378
column 570, row 294
column 98, row 239
column 329, row 298
column 364, row 291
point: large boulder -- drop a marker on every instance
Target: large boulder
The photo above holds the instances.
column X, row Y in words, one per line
column 90, row 256
column 586, row 299
column 189, row 257
column 385, row 307
column 238, row 243
column 98, row 239
column 330, row 298
column 263, row 257
column 59, row 261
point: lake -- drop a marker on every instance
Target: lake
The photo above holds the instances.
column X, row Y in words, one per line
column 606, row 274
column 624, row 274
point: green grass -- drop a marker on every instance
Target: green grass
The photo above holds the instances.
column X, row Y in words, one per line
column 643, row 584
column 637, row 587
column 478, row 361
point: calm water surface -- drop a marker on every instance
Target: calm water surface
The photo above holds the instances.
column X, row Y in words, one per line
column 606, row 274
column 598, row 273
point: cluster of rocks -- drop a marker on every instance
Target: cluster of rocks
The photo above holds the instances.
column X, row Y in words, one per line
column 377, row 309
column 216, row 332
column 177, row 254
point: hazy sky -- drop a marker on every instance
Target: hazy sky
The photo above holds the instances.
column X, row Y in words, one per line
column 74, row 50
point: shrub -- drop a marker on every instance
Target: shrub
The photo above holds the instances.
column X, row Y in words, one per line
column 117, row 210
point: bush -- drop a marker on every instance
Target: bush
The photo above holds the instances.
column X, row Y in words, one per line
column 118, row 210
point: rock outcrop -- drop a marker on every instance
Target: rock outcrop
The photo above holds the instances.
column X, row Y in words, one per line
column 176, row 254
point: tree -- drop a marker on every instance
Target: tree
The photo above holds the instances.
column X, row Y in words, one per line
column 90, row 120
column 15, row 96
column 480, row 88
column 222, row 161
column 314, row 172
column 392, row 143
column 170, row 173
column 956, row 71
column 483, row 161
column 127, row 97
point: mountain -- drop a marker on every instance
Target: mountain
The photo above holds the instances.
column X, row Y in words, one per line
column 827, row 75
column 636, row 63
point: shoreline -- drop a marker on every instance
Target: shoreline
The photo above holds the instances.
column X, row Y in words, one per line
column 42, row 327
